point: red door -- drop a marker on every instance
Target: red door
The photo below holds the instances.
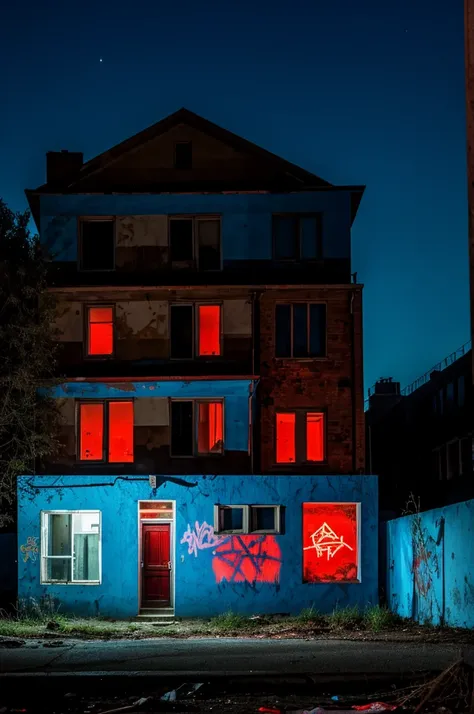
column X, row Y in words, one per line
column 156, row 565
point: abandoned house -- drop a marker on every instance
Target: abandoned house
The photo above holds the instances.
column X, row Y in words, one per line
column 211, row 387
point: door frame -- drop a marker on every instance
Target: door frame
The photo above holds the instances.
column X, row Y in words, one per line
column 154, row 522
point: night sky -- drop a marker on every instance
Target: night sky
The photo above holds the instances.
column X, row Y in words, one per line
column 357, row 91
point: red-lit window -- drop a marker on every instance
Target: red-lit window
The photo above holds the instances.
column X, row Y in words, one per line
column 314, row 436
column 330, row 542
column 209, row 328
column 300, row 437
column 100, row 327
column 210, row 428
column 91, row 438
column 285, row 438
column 120, row 432
column 109, row 423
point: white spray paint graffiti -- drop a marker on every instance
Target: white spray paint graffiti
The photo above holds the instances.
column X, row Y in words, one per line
column 326, row 541
column 201, row 537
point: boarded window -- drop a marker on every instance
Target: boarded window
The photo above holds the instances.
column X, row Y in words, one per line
column 181, row 428
column 100, row 331
column 183, row 155
column 181, row 240
column 120, row 432
column 300, row 330
column 97, row 245
column 297, row 237
column 108, row 423
column 209, row 328
column 285, row 438
column 91, row 440
column 330, row 542
column 209, row 243
column 181, row 331
column 300, row 437
column 210, row 428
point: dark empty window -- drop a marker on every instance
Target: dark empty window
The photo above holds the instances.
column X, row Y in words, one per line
column 461, row 391
column 181, row 428
column 231, row 519
column 300, row 330
column 97, row 245
column 183, row 155
column 449, row 395
column 297, row 237
column 264, row 518
column 181, row 239
column 209, row 243
column 181, row 325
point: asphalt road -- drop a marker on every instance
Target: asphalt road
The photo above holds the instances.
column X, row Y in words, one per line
column 229, row 657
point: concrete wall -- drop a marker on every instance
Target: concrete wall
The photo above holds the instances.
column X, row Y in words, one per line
column 430, row 574
column 198, row 589
column 246, row 219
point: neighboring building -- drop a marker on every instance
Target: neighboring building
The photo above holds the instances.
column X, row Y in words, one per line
column 469, row 83
column 420, row 440
column 212, row 394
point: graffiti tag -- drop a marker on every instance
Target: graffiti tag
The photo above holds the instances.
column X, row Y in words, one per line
column 201, row 537
column 324, row 540
column 248, row 558
column 30, row 549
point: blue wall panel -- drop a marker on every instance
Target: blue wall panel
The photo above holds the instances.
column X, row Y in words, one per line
column 198, row 591
column 430, row 575
column 246, row 219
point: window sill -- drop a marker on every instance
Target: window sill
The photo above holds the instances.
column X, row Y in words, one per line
column 71, row 582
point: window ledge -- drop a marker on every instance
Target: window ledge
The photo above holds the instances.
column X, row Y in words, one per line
column 71, row 582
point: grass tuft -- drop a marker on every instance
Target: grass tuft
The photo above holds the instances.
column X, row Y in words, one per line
column 377, row 618
column 229, row 621
column 308, row 614
column 346, row 618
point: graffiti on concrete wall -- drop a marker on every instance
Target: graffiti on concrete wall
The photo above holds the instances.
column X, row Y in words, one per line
column 330, row 542
column 200, row 537
column 30, row 549
column 248, row 558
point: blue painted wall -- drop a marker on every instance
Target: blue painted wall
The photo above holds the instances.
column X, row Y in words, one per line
column 197, row 592
column 246, row 219
column 235, row 392
column 430, row 575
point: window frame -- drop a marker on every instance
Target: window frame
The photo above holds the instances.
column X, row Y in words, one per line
column 79, row 259
column 195, row 218
column 301, row 440
column 44, row 525
column 87, row 308
column 195, row 329
column 195, row 426
column 105, row 444
column 247, row 519
column 308, row 304
column 318, row 215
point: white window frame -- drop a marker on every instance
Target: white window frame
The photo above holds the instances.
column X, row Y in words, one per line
column 248, row 518
column 44, row 547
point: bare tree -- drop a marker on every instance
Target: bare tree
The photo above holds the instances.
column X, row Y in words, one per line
column 28, row 419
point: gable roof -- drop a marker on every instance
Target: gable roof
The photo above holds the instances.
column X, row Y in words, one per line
column 295, row 178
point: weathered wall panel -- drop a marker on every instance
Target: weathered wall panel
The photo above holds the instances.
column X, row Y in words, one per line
column 430, row 571
column 205, row 584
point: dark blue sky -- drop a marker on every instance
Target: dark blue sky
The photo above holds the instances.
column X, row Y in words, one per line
column 357, row 91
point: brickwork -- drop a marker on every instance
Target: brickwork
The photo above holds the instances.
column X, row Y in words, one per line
column 333, row 384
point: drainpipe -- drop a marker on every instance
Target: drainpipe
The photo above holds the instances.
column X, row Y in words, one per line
column 252, row 393
column 353, row 392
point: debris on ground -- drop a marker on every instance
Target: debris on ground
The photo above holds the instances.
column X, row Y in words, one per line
column 184, row 691
column 375, row 707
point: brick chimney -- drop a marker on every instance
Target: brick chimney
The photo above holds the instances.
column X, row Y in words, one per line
column 385, row 395
column 62, row 167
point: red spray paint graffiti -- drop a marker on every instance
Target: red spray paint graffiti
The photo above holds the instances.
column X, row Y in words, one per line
column 330, row 542
column 248, row 558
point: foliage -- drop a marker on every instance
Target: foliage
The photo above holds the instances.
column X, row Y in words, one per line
column 229, row 621
column 309, row 614
column 346, row 618
column 377, row 618
column 28, row 423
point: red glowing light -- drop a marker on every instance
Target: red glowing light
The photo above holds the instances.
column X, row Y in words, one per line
column 314, row 437
column 101, row 333
column 92, row 432
column 248, row 558
column 330, row 542
column 285, row 437
column 120, row 432
column 209, row 330
column 210, row 428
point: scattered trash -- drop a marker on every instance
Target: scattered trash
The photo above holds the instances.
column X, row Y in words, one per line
column 335, row 698
column 270, row 711
column 182, row 692
column 131, row 707
column 376, row 707
column 316, row 710
column 70, row 695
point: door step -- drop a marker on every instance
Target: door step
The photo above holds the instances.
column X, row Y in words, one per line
column 157, row 616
